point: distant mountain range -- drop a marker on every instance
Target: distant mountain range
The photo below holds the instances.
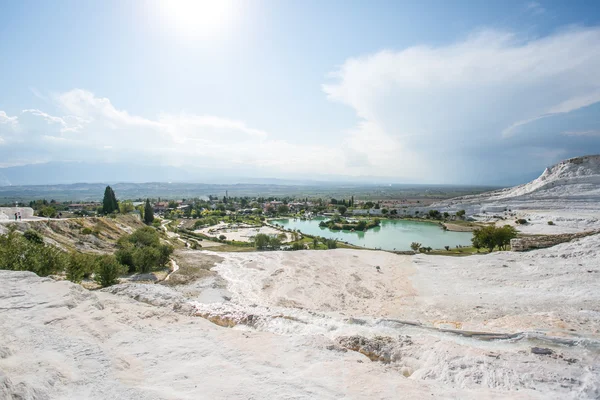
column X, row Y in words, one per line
column 76, row 172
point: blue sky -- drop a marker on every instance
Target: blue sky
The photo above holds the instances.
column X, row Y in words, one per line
column 420, row 91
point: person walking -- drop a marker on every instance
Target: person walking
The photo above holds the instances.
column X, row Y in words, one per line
column 16, row 215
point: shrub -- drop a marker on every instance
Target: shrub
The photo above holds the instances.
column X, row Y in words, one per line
column 521, row 221
column 222, row 237
column 33, row 236
column 108, row 270
column 80, row 265
column 415, row 246
column 550, row 223
column 447, row 248
column 331, row 244
column 17, row 253
column 297, row 246
column 86, row 231
column 142, row 251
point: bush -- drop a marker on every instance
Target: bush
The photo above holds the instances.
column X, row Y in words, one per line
column 550, row 223
column 80, row 266
column 331, row 244
column 521, row 221
column 33, row 236
column 17, row 253
column 142, row 251
column 222, row 237
column 146, row 258
column 297, row 246
column 86, row 231
column 108, row 270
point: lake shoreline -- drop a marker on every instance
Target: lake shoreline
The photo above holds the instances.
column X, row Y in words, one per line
column 392, row 234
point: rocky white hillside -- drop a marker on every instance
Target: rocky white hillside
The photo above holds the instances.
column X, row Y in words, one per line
column 573, row 184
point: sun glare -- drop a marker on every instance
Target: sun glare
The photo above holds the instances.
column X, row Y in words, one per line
column 198, row 18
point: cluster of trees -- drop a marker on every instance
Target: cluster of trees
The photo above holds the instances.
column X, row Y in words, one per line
column 330, row 243
column 142, row 251
column 416, row 246
column 266, row 242
column 343, row 202
column 338, row 223
column 28, row 252
column 490, row 237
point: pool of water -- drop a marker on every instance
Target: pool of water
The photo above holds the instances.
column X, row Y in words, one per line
column 393, row 234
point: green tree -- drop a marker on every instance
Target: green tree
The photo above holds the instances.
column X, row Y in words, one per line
column 435, row 214
column 342, row 210
column 107, row 270
column 48, row 212
column 331, row 244
column 261, row 241
column 109, row 202
column 504, row 235
column 283, row 209
column 315, row 243
column 415, row 246
column 460, row 213
column 125, row 207
column 148, row 213
column 491, row 237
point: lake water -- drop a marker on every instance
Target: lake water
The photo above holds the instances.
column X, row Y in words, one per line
column 393, row 234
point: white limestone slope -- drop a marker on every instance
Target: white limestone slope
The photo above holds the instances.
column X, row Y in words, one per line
column 571, row 185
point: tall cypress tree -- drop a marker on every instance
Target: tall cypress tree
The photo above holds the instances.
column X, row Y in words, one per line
column 148, row 213
column 109, row 203
column 115, row 202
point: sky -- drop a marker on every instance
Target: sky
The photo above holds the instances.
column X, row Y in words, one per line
column 411, row 91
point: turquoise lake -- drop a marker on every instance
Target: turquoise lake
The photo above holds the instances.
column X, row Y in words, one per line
column 393, row 234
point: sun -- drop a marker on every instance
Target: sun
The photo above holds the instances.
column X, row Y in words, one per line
column 198, row 18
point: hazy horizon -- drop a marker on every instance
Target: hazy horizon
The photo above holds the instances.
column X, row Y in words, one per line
column 471, row 92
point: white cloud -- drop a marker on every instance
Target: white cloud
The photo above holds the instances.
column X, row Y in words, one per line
column 94, row 124
column 6, row 120
column 69, row 123
column 423, row 100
